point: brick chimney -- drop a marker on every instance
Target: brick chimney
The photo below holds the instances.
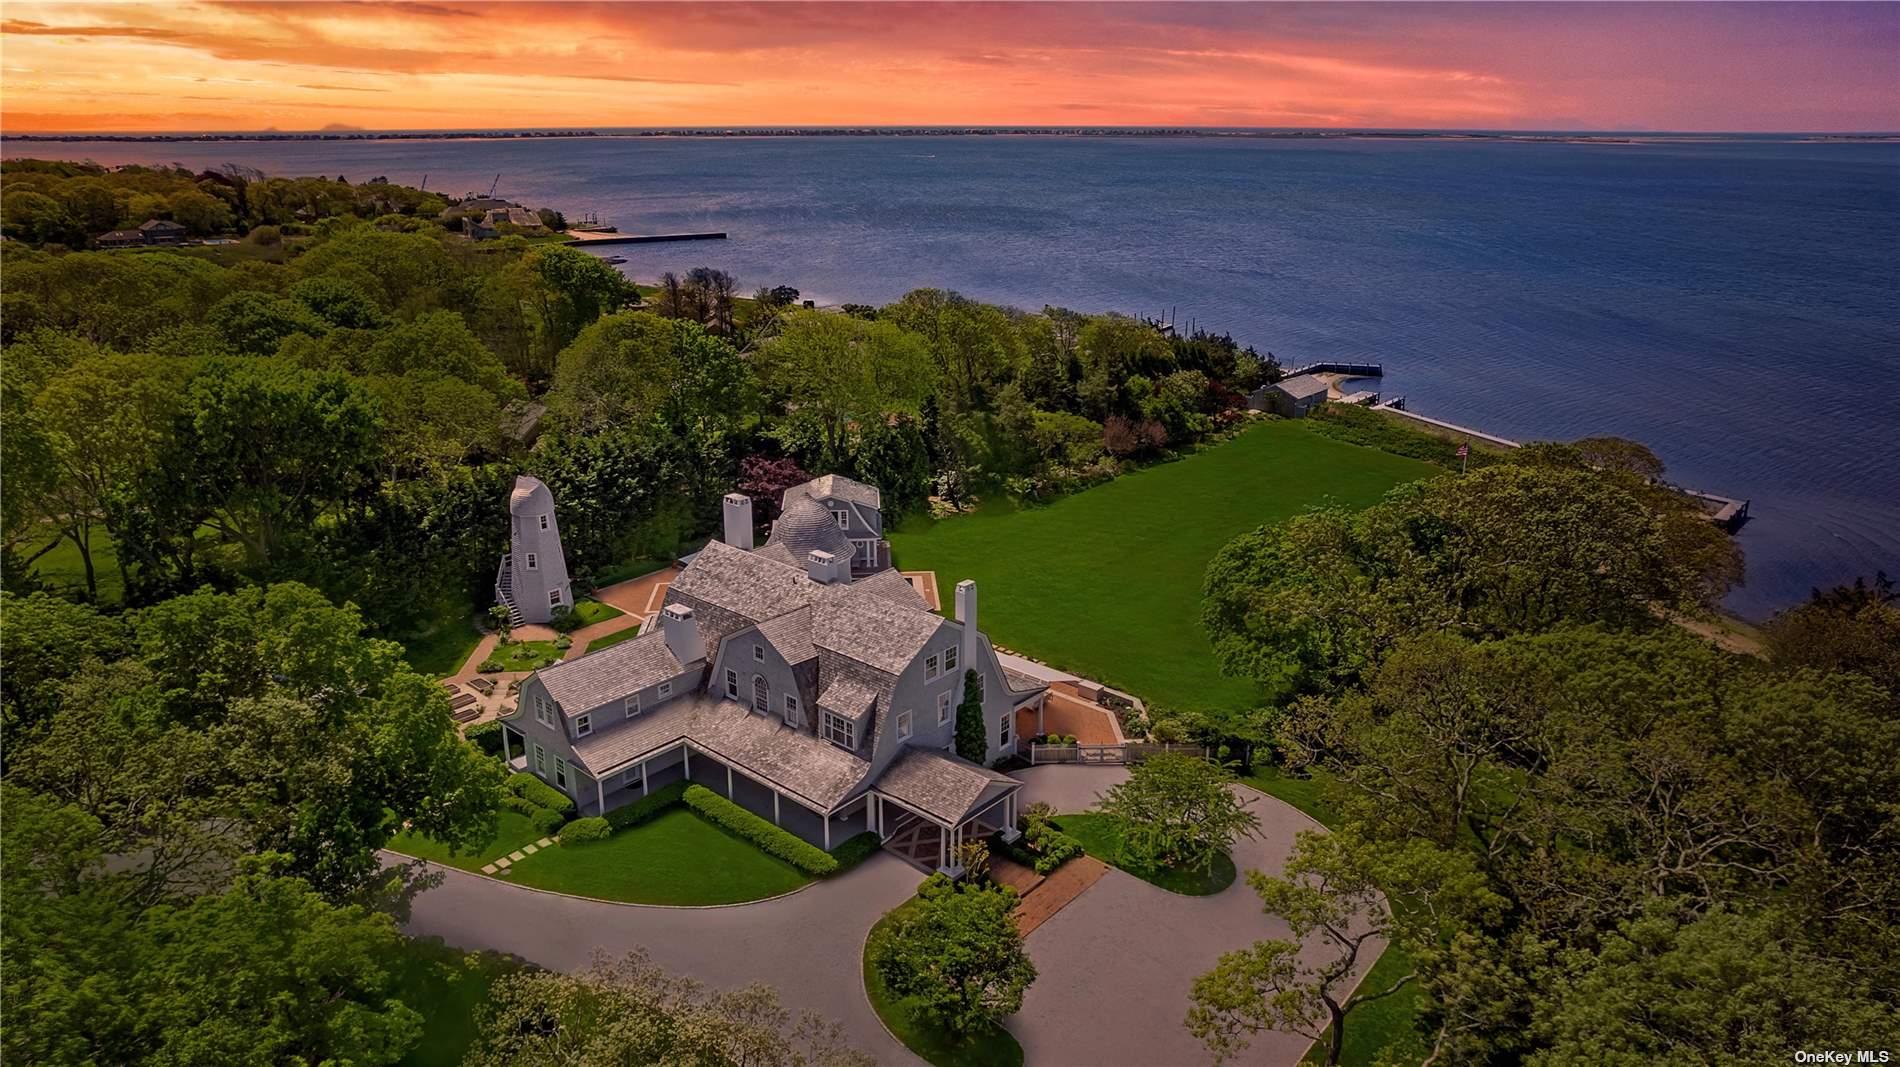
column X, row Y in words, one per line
column 739, row 521
column 682, row 633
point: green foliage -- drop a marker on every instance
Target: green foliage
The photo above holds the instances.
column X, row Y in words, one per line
column 1049, row 847
column 839, row 371
column 581, row 831
column 973, row 738
column 547, row 820
column 1178, row 811
column 255, row 324
column 647, row 807
column 45, row 641
column 1847, row 628
column 539, row 793
column 628, row 1010
column 855, row 850
column 957, row 959
column 485, row 736
column 772, row 840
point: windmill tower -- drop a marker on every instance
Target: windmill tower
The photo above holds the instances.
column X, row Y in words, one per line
column 532, row 580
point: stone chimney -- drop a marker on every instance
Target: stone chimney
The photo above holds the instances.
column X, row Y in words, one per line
column 682, row 633
column 966, row 614
column 824, row 567
column 739, row 521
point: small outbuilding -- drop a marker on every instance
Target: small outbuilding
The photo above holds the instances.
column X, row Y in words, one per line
column 1293, row 398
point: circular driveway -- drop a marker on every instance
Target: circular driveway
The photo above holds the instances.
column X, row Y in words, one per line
column 1116, row 964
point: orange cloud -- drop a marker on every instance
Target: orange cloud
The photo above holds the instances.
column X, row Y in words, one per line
column 96, row 66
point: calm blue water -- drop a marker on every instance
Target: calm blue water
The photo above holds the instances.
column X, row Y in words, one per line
column 1734, row 305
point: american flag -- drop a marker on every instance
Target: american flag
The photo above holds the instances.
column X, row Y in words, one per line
column 1464, row 450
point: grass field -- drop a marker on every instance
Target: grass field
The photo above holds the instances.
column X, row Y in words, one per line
column 592, row 611
column 997, row 1048
column 62, row 566
column 441, row 650
column 614, row 638
column 678, row 858
column 1107, row 583
column 512, row 830
column 447, row 986
column 1101, row 839
column 526, row 655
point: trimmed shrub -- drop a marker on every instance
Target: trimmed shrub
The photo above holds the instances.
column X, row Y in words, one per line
column 1056, row 849
column 630, row 815
column 489, row 665
column 547, row 820
column 856, row 850
column 771, row 840
column 518, row 805
column 539, row 793
column 564, row 642
column 592, row 828
column 485, row 736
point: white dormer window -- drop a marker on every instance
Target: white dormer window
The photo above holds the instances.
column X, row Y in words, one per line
column 840, row 731
column 758, row 653
column 554, row 596
column 903, row 725
column 931, row 670
column 844, row 519
column 583, row 726
column 633, row 705
column 544, row 522
column 791, row 710
column 666, row 690
column 943, row 708
column 950, row 658
column 533, row 563
column 543, row 711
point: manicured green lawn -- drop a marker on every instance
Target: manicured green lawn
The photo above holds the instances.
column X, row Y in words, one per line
column 997, row 1048
column 62, row 566
column 1099, row 837
column 447, row 986
column 678, row 858
column 614, row 638
column 512, row 830
column 593, row 611
column 638, row 567
column 441, row 650
column 1107, row 583
column 526, row 655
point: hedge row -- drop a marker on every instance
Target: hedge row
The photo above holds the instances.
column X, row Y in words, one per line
column 485, row 736
column 771, row 840
column 592, row 828
column 539, row 793
column 856, row 850
column 630, row 815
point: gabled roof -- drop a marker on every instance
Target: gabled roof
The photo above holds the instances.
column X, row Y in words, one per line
column 938, row 783
column 1021, row 684
column 744, row 583
column 1302, row 387
column 790, row 635
column 847, row 698
column 892, row 586
column 602, row 677
column 835, row 487
column 871, row 629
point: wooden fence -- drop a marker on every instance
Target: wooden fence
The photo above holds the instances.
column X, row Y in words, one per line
column 1128, row 752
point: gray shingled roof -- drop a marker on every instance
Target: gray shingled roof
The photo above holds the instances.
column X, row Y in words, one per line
column 1021, row 684
column 790, row 634
column 940, row 784
column 601, row 677
column 836, row 487
column 815, row 772
column 744, row 583
column 893, row 587
column 806, row 526
column 847, row 697
column 1303, row 386
column 870, row 628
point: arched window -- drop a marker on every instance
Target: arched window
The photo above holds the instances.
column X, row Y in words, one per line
column 761, row 695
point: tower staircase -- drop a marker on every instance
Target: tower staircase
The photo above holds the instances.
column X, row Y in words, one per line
column 505, row 590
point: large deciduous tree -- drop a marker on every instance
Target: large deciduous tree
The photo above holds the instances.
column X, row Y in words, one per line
column 958, row 959
column 1178, row 811
column 836, row 372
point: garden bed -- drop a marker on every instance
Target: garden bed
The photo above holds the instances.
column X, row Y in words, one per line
column 521, row 656
column 1099, row 837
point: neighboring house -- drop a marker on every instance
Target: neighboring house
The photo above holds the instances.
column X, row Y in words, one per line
column 855, row 507
column 823, row 702
column 162, row 232
column 1293, row 398
column 120, row 239
column 489, row 225
column 532, row 579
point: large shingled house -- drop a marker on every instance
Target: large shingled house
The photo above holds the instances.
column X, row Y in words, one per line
column 803, row 678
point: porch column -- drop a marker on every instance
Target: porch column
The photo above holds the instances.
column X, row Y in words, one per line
column 1041, row 703
column 774, row 807
column 728, row 781
column 643, row 777
column 506, row 757
column 600, row 796
column 943, row 847
column 826, row 819
column 686, row 761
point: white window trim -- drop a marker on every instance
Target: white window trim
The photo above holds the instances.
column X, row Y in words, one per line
column 949, row 658
column 583, row 725
column 844, row 518
column 758, row 653
column 543, row 711
column 540, row 760
column 544, row 522
column 532, row 563
column 666, row 689
column 632, row 705
column 554, row 596
column 835, row 723
column 943, row 708
column 792, row 716
column 931, row 668
column 1002, row 727
column 561, row 778
column 903, row 724
column 732, row 684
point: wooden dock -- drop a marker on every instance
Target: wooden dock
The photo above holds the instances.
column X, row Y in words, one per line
column 641, row 238
column 1345, row 370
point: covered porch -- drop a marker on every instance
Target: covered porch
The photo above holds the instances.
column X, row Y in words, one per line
column 688, row 762
column 929, row 804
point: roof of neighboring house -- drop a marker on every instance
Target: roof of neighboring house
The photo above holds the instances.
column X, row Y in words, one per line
column 804, row 527
column 835, row 487
column 122, row 235
column 815, row 772
column 1302, row 387
column 938, row 783
column 159, row 224
column 597, row 678
column 515, row 214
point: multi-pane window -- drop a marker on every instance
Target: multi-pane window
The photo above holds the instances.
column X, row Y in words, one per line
column 1002, row 729
column 931, row 667
column 544, row 522
column 903, row 725
column 758, row 653
column 978, row 689
column 943, row 708
column 541, row 761
column 633, row 705
column 533, row 562
column 583, row 726
column 950, row 658
column 543, row 711
column 844, row 519
column 554, row 596
column 666, row 688
column 732, row 684
column 791, row 710
column 560, row 773
column 840, row 730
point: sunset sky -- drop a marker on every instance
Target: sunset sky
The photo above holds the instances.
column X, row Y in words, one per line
column 248, row 66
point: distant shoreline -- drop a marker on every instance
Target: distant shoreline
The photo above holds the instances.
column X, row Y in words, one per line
column 1555, row 137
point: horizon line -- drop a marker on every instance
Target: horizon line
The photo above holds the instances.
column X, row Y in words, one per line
column 755, row 127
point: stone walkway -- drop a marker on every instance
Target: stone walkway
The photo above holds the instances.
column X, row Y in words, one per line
column 1060, row 889
column 501, row 865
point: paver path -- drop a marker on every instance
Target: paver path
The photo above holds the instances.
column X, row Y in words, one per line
column 1116, row 964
